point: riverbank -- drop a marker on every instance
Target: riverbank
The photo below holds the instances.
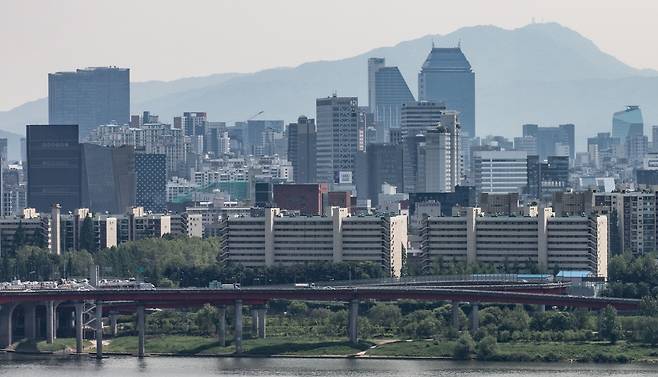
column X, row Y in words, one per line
column 175, row 345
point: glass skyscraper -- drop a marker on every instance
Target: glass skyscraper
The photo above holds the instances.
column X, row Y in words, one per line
column 387, row 91
column 89, row 97
column 446, row 76
column 627, row 123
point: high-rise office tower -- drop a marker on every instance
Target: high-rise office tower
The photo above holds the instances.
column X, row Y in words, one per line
column 416, row 118
column 446, row 76
column 627, row 122
column 54, row 163
column 387, row 91
column 151, row 181
column 552, row 141
column 337, row 136
column 89, row 97
column 440, row 163
column 108, row 178
column 194, row 125
column 301, row 149
column 216, row 139
column 379, row 164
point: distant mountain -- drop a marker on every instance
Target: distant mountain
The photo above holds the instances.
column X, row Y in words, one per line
column 540, row 73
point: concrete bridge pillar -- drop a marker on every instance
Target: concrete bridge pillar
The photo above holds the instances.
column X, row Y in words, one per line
column 221, row 326
column 140, row 330
column 50, row 322
column 6, row 330
column 238, row 326
column 79, row 309
column 541, row 308
column 254, row 322
column 114, row 327
column 262, row 321
column 99, row 330
column 455, row 315
column 30, row 321
column 475, row 317
column 353, row 319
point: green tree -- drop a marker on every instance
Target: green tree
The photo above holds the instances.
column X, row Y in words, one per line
column 87, row 235
column 649, row 331
column 649, row 306
column 385, row 315
column 464, row 347
column 610, row 325
column 297, row 308
column 487, row 348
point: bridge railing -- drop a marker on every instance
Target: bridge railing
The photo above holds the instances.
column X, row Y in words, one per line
column 415, row 280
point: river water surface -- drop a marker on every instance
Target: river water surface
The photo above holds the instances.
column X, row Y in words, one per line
column 38, row 366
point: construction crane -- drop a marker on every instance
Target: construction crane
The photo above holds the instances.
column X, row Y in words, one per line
column 256, row 115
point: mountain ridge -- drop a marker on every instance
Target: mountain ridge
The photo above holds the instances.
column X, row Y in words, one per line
column 515, row 69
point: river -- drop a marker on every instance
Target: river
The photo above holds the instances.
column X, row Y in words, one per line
column 39, row 366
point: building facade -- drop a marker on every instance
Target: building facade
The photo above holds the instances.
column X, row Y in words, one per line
column 337, row 136
column 541, row 243
column 275, row 239
column 500, row 171
column 54, row 165
column 446, row 76
column 151, row 181
column 387, row 92
column 89, row 97
column 416, row 119
column 301, row 149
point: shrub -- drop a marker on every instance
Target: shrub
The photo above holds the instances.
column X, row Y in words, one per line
column 464, row 347
column 487, row 348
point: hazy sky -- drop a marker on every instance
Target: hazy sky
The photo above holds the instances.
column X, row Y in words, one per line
column 164, row 40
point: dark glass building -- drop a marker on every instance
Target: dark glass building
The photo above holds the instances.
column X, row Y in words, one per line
column 301, row 149
column 263, row 196
column 54, row 165
column 446, row 76
column 89, row 97
column 108, row 178
column 547, row 177
column 151, row 181
column 379, row 164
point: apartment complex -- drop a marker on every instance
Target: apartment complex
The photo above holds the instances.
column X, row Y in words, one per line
column 276, row 238
column 529, row 243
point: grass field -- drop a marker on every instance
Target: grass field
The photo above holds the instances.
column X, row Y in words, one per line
column 196, row 345
column 310, row 346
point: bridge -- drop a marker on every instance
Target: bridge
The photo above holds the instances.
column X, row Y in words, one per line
column 52, row 305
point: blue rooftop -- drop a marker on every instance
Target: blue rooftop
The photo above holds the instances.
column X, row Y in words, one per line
column 446, row 59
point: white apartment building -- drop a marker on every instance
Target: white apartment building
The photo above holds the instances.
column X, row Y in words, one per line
column 279, row 239
column 440, row 162
column 500, row 171
column 523, row 242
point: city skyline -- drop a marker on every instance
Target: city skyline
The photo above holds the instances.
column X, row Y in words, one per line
column 117, row 48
